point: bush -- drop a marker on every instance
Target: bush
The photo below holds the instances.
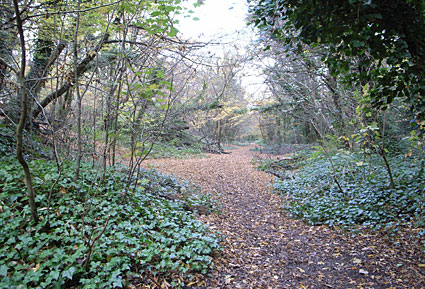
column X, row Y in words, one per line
column 7, row 140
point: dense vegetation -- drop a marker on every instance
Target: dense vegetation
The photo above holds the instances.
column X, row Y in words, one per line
column 96, row 232
column 377, row 42
column 354, row 90
column 89, row 91
column 350, row 190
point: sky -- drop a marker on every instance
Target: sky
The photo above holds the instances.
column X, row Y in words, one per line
column 215, row 17
column 225, row 19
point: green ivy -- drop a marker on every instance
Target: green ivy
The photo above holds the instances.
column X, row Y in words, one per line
column 366, row 199
column 173, row 150
column 144, row 235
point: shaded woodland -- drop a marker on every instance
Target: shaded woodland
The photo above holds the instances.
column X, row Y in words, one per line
column 91, row 90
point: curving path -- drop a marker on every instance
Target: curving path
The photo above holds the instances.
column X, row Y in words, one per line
column 265, row 249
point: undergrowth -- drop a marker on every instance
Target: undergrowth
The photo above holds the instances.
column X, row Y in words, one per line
column 93, row 235
column 365, row 198
column 170, row 150
column 240, row 143
column 279, row 149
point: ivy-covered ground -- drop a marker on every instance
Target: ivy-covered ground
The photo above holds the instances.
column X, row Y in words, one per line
column 172, row 150
column 364, row 198
column 94, row 233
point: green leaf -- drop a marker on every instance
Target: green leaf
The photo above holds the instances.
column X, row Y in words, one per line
column 54, row 274
column 3, row 270
column 68, row 273
column 173, row 32
column 358, row 44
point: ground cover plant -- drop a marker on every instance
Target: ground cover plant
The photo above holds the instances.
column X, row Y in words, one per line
column 279, row 149
column 363, row 198
column 97, row 233
column 170, row 150
column 240, row 143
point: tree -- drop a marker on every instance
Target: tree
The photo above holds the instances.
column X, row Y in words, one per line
column 376, row 42
column 304, row 102
column 50, row 56
column 214, row 104
column 23, row 116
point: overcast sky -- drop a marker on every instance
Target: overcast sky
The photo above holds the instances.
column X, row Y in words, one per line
column 216, row 17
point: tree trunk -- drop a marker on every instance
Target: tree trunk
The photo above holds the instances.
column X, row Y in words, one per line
column 23, row 117
column 116, row 113
column 7, row 40
column 383, row 153
column 43, row 59
column 219, row 128
column 121, row 68
column 77, row 90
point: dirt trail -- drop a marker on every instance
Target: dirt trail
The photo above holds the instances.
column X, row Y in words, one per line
column 265, row 249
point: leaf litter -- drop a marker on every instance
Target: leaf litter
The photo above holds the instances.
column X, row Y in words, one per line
column 263, row 248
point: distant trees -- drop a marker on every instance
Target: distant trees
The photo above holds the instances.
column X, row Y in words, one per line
column 305, row 101
column 214, row 105
column 338, row 66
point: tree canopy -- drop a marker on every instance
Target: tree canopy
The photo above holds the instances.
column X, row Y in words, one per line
column 374, row 42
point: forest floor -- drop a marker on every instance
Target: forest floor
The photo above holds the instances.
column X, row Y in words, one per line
column 263, row 248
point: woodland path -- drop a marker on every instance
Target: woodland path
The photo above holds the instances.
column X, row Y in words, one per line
column 265, row 249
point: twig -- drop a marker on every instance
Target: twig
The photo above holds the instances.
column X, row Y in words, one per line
column 2, row 112
column 5, row 63
column 333, row 168
column 71, row 11
column 49, row 197
column 86, row 263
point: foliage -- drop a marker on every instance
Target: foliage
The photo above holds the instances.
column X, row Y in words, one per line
column 279, row 167
column 35, row 146
column 188, row 194
column 377, row 42
column 240, row 143
column 7, row 140
column 280, row 149
column 140, row 233
column 367, row 200
column 170, row 150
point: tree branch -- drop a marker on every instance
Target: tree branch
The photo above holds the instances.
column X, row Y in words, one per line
column 4, row 63
column 20, row 128
column 36, row 76
column 81, row 68
column 71, row 11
